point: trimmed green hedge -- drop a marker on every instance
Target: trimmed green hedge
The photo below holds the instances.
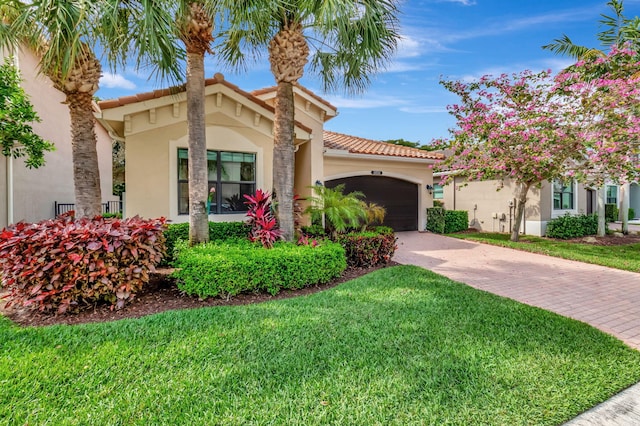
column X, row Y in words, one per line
column 218, row 231
column 443, row 221
column 567, row 226
column 231, row 267
column 455, row 221
column 435, row 220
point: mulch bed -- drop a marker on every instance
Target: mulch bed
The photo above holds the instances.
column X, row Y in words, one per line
column 607, row 240
column 161, row 294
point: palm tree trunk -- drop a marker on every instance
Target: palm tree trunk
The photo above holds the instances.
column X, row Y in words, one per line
column 86, row 173
column 198, row 174
column 521, row 199
column 284, row 158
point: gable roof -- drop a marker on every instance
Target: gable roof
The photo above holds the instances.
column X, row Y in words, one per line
column 273, row 89
column 356, row 145
column 218, row 79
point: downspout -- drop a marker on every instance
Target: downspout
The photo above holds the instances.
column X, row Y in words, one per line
column 9, row 168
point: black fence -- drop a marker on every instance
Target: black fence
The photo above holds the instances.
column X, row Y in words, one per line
column 108, row 207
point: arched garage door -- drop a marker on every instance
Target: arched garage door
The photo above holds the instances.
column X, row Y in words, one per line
column 399, row 197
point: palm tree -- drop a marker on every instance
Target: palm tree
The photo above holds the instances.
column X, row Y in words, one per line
column 64, row 35
column 351, row 40
column 57, row 32
column 195, row 29
column 619, row 31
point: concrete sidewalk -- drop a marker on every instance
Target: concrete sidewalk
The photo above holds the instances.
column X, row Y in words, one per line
column 605, row 298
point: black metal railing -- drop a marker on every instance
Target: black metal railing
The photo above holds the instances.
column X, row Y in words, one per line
column 108, row 207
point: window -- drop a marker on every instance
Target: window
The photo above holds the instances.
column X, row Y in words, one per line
column 438, row 192
column 612, row 194
column 563, row 198
column 232, row 174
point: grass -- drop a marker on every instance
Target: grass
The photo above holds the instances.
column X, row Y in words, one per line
column 400, row 346
column 625, row 257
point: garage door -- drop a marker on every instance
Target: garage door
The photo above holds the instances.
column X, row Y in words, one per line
column 399, row 197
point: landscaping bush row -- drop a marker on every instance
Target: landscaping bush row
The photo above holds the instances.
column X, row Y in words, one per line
column 218, row 231
column 231, row 267
column 63, row 263
column 443, row 221
column 567, row 226
column 611, row 212
column 367, row 249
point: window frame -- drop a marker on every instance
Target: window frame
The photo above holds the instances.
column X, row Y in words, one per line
column 572, row 195
column 438, row 192
column 215, row 206
column 608, row 200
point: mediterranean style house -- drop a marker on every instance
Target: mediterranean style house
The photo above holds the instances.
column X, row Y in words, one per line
column 492, row 210
column 30, row 194
column 239, row 132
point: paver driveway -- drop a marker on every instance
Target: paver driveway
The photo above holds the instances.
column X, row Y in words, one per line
column 606, row 298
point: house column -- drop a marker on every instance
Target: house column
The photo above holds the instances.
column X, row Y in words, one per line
column 9, row 169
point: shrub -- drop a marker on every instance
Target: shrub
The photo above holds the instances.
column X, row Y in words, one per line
column 611, row 212
column 632, row 213
column 62, row 264
column 218, row 231
column 314, row 231
column 341, row 211
column 435, row 220
column 231, row 267
column 455, row 221
column 264, row 226
column 112, row 215
column 366, row 249
column 568, row 226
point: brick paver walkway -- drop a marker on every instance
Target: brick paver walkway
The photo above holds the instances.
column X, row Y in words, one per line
column 606, row 298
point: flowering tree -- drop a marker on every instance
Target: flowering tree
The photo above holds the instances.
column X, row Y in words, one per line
column 511, row 127
column 605, row 94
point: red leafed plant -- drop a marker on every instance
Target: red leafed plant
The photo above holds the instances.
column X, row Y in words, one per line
column 65, row 264
column 264, row 226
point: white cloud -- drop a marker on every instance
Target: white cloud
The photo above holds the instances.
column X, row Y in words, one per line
column 462, row 2
column 363, row 103
column 424, row 109
column 408, row 47
column 116, row 81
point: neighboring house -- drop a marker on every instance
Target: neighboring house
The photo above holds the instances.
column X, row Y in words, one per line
column 30, row 194
column 239, row 131
column 493, row 211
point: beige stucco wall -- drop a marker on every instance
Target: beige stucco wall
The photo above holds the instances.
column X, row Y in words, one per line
column 489, row 209
column 417, row 172
column 36, row 190
column 152, row 162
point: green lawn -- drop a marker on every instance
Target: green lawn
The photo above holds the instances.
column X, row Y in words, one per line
column 400, row 346
column 625, row 257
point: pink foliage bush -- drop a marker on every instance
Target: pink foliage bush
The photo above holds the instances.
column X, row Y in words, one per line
column 64, row 264
column 264, row 226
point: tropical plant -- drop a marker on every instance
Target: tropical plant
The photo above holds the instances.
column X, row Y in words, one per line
column 17, row 137
column 351, row 40
column 375, row 214
column 341, row 211
column 264, row 226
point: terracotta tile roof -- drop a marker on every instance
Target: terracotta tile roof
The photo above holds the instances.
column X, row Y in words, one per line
column 304, row 89
column 356, row 145
column 217, row 79
column 141, row 97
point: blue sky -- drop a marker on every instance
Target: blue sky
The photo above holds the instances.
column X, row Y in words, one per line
column 452, row 39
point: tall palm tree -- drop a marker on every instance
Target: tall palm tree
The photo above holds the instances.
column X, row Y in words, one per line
column 56, row 31
column 64, row 33
column 619, row 30
column 350, row 39
column 195, row 29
